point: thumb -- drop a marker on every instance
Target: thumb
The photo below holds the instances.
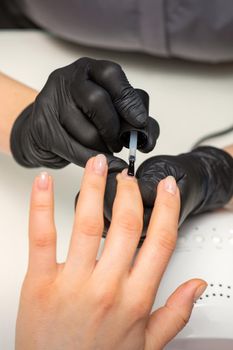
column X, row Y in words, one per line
column 165, row 323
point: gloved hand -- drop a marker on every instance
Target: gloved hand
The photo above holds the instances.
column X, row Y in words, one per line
column 204, row 177
column 78, row 114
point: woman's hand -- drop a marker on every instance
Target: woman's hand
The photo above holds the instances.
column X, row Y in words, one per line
column 102, row 304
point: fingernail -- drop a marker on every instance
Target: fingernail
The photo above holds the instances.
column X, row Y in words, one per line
column 200, row 290
column 124, row 175
column 170, row 184
column 99, row 164
column 43, row 181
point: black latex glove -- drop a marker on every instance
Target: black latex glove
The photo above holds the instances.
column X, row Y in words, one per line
column 204, row 177
column 78, row 114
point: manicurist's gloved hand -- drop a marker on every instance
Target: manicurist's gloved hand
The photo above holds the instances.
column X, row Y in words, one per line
column 77, row 114
column 204, row 177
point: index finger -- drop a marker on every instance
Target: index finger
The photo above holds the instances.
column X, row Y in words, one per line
column 160, row 241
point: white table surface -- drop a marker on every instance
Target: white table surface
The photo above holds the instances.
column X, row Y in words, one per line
column 189, row 100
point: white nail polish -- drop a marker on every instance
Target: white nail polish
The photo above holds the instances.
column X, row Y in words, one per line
column 99, row 164
column 43, row 181
column 170, row 184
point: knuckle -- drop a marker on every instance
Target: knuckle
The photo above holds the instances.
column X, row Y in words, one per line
column 56, row 73
column 97, row 98
column 37, row 291
column 90, row 226
column 130, row 222
column 93, row 184
column 42, row 294
column 138, row 310
column 44, row 240
column 181, row 319
column 44, row 298
column 83, row 62
column 92, row 137
column 111, row 69
column 167, row 240
column 128, row 188
column 40, row 206
column 105, row 299
column 169, row 204
column 127, row 100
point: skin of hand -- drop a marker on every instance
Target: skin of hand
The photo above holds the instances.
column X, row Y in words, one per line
column 14, row 97
column 204, row 177
column 90, row 304
column 79, row 113
column 229, row 149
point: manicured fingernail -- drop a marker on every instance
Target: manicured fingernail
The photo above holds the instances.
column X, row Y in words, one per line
column 200, row 290
column 43, row 181
column 170, row 184
column 99, row 164
column 124, row 175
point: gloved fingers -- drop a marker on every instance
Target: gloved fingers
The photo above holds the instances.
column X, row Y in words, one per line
column 125, row 98
column 148, row 189
column 106, row 227
column 81, row 128
column 69, row 149
column 115, row 166
column 96, row 104
column 110, row 192
column 151, row 172
column 146, row 220
column 165, row 323
column 152, row 131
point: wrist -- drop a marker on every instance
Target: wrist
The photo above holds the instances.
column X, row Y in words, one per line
column 25, row 144
column 217, row 167
column 14, row 98
column 19, row 138
column 229, row 149
column 222, row 139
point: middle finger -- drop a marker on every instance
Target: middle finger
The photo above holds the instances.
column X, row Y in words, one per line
column 125, row 229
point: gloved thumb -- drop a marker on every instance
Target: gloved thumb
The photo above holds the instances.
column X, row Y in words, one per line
column 115, row 164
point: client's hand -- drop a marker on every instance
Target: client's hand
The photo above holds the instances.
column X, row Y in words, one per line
column 102, row 304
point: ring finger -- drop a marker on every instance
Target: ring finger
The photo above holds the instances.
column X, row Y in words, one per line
column 125, row 229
